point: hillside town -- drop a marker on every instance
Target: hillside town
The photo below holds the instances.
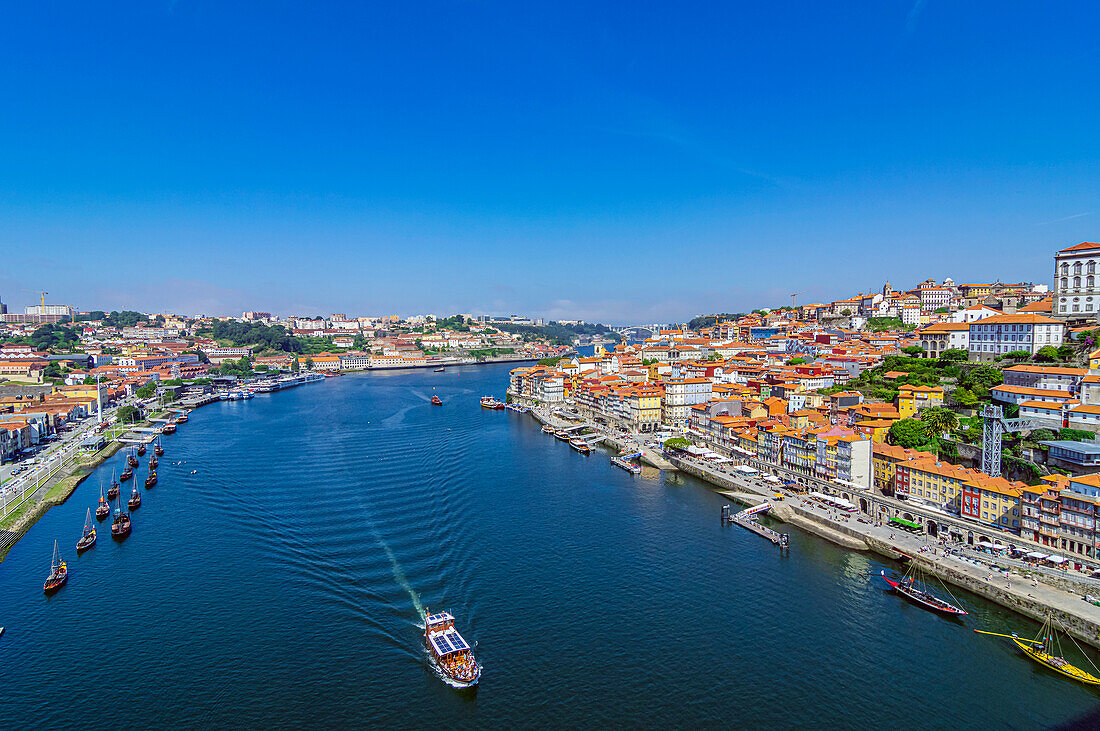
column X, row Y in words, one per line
column 58, row 364
column 976, row 402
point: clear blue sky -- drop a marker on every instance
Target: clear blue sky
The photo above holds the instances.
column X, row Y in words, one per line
column 621, row 162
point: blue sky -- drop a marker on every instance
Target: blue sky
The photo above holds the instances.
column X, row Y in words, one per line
column 624, row 162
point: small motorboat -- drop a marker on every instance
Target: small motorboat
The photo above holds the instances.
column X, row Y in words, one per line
column 151, row 480
column 181, row 419
column 169, row 428
column 436, row 401
column 440, row 369
column 135, row 499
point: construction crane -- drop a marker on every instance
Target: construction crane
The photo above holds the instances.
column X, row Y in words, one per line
column 40, row 292
column 793, row 305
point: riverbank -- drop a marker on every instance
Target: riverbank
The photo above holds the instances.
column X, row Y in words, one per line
column 1020, row 592
column 617, row 441
column 58, row 489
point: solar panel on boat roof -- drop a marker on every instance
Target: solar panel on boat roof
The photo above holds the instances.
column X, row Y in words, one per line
column 457, row 642
column 441, row 644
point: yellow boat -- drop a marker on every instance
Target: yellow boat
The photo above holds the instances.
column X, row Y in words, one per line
column 1055, row 663
column 1037, row 650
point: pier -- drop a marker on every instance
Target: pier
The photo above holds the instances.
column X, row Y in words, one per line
column 747, row 519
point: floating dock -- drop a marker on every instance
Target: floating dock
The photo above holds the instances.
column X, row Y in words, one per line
column 747, row 519
column 626, row 464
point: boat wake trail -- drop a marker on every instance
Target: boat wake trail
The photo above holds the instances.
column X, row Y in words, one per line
column 399, row 573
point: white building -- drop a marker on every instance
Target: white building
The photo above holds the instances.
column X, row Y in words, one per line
column 1002, row 334
column 937, row 338
column 680, row 395
column 1076, row 294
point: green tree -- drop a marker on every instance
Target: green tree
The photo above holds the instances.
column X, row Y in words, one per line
column 309, row 363
column 953, row 354
column 1017, row 355
column 939, row 420
column 908, row 433
column 677, row 443
column 127, row 414
column 846, row 312
column 940, row 311
column 168, row 397
column 146, row 391
column 1047, row 354
column 964, row 397
column 294, row 367
column 797, row 361
column 1042, row 435
column 1075, row 435
column 913, row 350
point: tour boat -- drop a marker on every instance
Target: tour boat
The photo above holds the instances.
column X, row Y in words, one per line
column 121, row 527
column 135, row 499
column 1040, row 650
column 631, row 467
column 87, row 539
column 158, row 450
column 59, row 573
column 561, row 435
column 451, row 654
column 103, row 509
column 151, row 480
column 906, row 587
column 488, row 402
column 141, row 450
column 436, row 401
column 169, row 428
column 126, row 474
column 547, row 429
column 182, row 419
column 580, row 445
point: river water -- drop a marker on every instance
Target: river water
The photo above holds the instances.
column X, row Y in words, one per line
column 282, row 584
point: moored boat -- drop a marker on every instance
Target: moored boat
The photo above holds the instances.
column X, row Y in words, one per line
column 112, row 491
column 121, row 525
column 580, row 445
column 151, row 480
column 168, row 428
column 158, row 450
column 135, row 499
column 87, row 538
column 153, row 462
column 131, row 460
column 59, row 573
column 631, row 467
column 103, row 509
column 1042, row 650
column 126, row 475
column 436, row 401
column 450, row 653
column 907, row 588
column 182, row 418
column 440, row 369
column 488, row 402
column 547, row 429
column 141, row 450
column 561, row 435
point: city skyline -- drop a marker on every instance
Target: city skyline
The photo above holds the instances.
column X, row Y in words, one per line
column 602, row 163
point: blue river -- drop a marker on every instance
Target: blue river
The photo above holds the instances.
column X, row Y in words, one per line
column 277, row 574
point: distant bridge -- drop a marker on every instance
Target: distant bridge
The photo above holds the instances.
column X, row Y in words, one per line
column 637, row 332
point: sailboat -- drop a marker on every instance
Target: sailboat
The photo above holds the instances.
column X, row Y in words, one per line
column 87, row 540
column 141, row 450
column 120, row 527
column 1042, row 649
column 103, row 509
column 153, row 462
column 918, row 593
column 59, row 573
column 135, row 499
column 131, row 460
column 158, row 450
column 112, row 491
column 150, row 480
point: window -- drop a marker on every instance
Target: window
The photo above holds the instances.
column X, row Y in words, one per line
column 1065, row 268
column 1077, row 268
column 1076, row 282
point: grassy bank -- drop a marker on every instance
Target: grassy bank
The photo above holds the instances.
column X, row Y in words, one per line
column 19, row 521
